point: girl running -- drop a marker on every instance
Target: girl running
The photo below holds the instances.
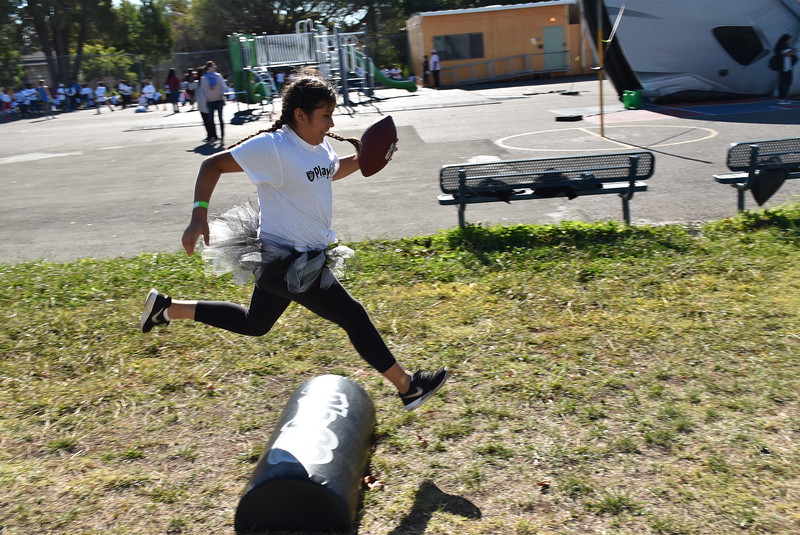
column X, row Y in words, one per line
column 292, row 165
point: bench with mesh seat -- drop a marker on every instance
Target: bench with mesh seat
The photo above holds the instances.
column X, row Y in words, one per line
column 621, row 173
column 760, row 167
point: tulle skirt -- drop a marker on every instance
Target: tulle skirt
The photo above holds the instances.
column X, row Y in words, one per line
column 235, row 247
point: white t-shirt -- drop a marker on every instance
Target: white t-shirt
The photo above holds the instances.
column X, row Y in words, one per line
column 100, row 93
column 293, row 180
column 787, row 59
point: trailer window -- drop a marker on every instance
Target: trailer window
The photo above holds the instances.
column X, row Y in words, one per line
column 459, row 46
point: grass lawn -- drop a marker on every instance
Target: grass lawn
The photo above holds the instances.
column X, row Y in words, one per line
column 605, row 379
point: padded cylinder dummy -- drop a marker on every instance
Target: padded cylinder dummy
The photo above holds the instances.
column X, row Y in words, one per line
column 309, row 476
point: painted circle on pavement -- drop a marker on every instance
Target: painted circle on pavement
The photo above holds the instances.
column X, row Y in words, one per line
column 617, row 137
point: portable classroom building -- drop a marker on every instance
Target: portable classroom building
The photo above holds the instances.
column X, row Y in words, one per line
column 540, row 39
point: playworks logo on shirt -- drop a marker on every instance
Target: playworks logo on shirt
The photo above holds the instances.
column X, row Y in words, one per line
column 319, row 173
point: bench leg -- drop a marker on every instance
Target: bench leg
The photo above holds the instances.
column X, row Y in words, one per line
column 461, row 209
column 626, row 210
column 740, row 199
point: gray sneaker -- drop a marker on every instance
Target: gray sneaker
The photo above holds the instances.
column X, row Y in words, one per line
column 423, row 386
column 154, row 307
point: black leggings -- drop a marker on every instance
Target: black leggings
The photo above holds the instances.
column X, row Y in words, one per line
column 270, row 299
column 784, row 82
column 216, row 105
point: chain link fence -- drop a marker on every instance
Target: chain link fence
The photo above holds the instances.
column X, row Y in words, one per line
column 111, row 68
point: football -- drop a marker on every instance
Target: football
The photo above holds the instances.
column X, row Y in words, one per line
column 378, row 144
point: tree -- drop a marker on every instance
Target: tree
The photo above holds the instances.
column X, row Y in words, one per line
column 216, row 19
column 154, row 38
column 106, row 62
column 62, row 29
column 10, row 43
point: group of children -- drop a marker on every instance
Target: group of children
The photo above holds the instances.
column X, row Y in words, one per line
column 41, row 100
column 31, row 101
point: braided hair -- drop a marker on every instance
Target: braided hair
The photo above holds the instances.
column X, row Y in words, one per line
column 308, row 92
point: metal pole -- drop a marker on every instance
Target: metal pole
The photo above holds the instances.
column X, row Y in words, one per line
column 343, row 72
column 600, row 60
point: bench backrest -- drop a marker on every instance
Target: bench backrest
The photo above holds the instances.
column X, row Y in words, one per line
column 612, row 167
column 772, row 154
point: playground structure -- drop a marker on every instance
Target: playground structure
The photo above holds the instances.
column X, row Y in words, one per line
column 335, row 54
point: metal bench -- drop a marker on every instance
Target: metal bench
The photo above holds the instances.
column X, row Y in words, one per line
column 753, row 163
column 621, row 173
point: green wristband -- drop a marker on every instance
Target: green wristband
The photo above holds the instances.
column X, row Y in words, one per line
column 201, row 204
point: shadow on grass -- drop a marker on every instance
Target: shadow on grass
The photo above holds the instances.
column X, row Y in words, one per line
column 428, row 500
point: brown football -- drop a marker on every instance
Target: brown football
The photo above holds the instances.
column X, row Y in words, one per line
column 377, row 146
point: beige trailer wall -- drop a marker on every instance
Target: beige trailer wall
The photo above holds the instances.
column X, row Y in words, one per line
column 513, row 42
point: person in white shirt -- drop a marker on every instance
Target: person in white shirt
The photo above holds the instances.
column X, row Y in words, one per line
column 61, row 97
column 87, row 96
column 436, row 68
column 293, row 166
column 125, row 92
column 101, row 96
column 31, row 99
column 280, row 80
column 21, row 102
column 788, row 57
column 73, row 95
column 149, row 91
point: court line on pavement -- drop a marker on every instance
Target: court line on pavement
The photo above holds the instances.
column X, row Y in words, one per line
column 33, row 156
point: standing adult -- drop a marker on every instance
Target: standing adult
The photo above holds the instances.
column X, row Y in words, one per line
column 426, row 71
column 788, row 57
column 45, row 97
column 436, row 68
column 214, row 87
column 173, row 86
column 202, row 106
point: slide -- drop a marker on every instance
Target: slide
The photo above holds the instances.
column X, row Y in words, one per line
column 408, row 85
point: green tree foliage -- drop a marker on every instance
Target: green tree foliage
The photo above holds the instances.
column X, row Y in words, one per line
column 65, row 29
column 216, row 19
column 10, row 43
column 106, row 62
column 61, row 26
column 154, row 38
column 152, row 29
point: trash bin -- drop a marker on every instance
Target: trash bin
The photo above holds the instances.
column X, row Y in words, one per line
column 632, row 99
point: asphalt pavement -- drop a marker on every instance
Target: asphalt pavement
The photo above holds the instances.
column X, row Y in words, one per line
column 120, row 183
